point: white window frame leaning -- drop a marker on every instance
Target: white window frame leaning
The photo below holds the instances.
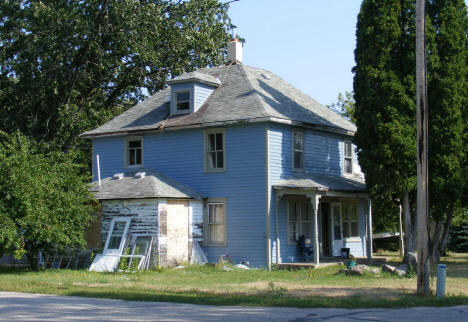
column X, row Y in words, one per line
column 348, row 157
column 127, row 151
column 207, row 225
column 182, row 90
column 298, row 223
column 124, row 236
column 206, row 151
column 294, row 150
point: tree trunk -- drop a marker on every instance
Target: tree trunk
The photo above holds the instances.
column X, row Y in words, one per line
column 409, row 224
column 400, row 237
column 434, row 255
column 439, row 240
column 33, row 260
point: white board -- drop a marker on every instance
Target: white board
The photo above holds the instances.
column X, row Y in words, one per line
column 104, row 263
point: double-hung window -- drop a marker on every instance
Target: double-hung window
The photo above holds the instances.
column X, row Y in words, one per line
column 134, row 152
column 182, row 101
column 214, row 151
column 299, row 220
column 348, row 157
column 215, row 234
column 349, row 220
column 298, row 151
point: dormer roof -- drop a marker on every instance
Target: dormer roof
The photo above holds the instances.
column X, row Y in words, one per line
column 196, row 77
column 246, row 94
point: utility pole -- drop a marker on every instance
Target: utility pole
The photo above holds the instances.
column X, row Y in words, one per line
column 422, row 133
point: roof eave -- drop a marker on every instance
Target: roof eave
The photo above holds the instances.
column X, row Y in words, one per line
column 322, row 128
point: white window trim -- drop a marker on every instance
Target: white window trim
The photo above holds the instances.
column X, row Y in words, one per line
column 347, row 157
column 124, row 234
column 174, row 101
column 206, row 226
column 350, row 204
column 293, row 150
column 206, row 168
column 292, row 199
column 126, row 155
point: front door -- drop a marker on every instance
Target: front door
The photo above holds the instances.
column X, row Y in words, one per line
column 337, row 238
column 325, row 211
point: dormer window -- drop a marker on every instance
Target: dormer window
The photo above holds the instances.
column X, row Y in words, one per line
column 182, row 101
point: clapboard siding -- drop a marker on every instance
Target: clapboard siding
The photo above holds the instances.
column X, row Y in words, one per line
column 143, row 214
column 323, row 154
column 180, row 155
column 202, row 92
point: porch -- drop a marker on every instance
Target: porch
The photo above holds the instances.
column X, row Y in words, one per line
column 329, row 213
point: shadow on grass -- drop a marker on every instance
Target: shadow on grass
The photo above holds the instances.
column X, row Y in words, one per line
column 272, row 299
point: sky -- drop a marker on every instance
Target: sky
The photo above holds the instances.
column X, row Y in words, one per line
column 308, row 43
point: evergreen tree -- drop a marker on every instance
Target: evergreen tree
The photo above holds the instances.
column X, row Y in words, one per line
column 384, row 91
column 447, row 89
column 384, row 87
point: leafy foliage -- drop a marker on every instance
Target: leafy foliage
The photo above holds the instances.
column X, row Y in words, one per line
column 344, row 106
column 69, row 66
column 44, row 201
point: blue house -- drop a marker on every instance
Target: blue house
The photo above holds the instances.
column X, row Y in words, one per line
column 230, row 160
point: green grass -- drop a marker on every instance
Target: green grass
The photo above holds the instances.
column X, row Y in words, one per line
column 323, row 287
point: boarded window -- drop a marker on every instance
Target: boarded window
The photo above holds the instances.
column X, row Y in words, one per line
column 214, row 151
column 216, row 234
column 298, row 150
column 299, row 220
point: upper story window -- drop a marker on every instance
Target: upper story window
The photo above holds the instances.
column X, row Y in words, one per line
column 348, row 157
column 134, row 152
column 214, row 151
column 298, row 151
column 182, row 103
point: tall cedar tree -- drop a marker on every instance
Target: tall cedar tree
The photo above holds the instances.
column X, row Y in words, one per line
column 384, row 91
column 447, row 97
column 68, row 66
column 384, row 86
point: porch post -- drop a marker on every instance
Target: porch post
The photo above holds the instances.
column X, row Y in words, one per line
column 279, row 195
column 315, row 202
column 369, row 228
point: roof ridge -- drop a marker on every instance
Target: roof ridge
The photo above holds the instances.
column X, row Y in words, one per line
column 251, row 88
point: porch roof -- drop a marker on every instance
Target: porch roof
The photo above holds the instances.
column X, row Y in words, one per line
column 321, row 182
column 151, row 185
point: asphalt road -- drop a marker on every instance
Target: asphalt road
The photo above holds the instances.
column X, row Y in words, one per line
column 36, row 307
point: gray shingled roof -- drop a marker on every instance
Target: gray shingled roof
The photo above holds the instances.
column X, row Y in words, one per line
column 323, row 183
column 196, row 77
column 245, row 94
column 152, row 185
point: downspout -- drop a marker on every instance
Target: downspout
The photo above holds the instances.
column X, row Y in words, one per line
column 98, row 171
column 267, row 195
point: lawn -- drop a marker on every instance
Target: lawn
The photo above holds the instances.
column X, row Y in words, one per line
column 322, row 287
